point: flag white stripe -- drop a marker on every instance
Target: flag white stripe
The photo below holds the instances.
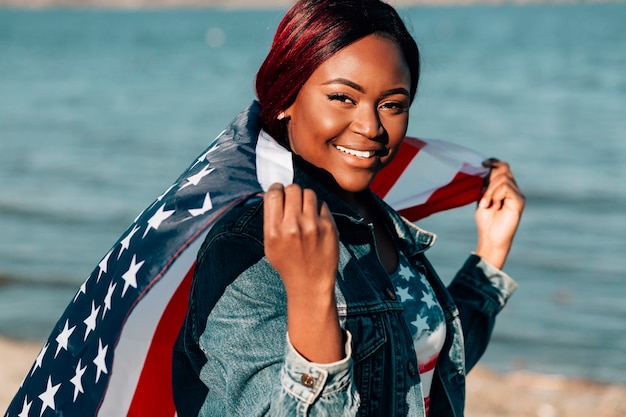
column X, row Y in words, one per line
column 436, row 164
column 274, row 163
column 136, row 336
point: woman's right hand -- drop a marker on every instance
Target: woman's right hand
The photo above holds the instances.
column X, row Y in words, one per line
column 301, row 239
column 301, row 243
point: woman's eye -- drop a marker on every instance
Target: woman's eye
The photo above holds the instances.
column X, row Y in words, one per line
column 396, row 107
column 341, row 98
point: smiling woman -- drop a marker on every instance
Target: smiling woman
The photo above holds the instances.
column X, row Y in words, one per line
column 317, row 299
column 352, row 113
column 349, row 120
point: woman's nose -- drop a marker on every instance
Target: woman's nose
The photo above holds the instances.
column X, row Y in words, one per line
column 367, row 122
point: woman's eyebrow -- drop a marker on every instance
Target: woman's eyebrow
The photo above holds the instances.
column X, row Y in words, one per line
column 346, row 82
column 399, row 90
column 359, row 88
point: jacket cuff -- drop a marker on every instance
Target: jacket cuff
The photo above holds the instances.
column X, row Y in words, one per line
column 500, row 286
column 308, row 380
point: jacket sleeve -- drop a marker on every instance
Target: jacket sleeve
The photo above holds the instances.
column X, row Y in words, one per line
column 251, row 368
column 479, row 291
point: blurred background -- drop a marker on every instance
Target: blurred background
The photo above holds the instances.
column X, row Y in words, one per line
column 101, row 109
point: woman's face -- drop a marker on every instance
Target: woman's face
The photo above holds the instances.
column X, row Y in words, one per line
column 351, row 115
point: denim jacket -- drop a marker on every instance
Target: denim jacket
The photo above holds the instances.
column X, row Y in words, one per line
column 233, row 358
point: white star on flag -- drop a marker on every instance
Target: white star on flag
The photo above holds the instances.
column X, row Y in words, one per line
column 158, row 218
column 63, row 337
column 206, row 206
column 130, row 276
column 404, row 295
column 107, row 298
column 102, row 266
column 77, row 380
column 47, row 397
column 154, row 203
column 421, row 324
column 82, row 289
column 25, row 408
column 428, row 299
column 99, row 360
column 165, row 192
column 126, row 241
column 405, row 272
column 207, row 153
column 39, row 360
column 90, row 321
column 195, row 179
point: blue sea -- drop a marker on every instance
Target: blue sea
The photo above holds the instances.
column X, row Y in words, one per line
column 100, row 110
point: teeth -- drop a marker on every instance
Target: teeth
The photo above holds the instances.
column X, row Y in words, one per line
column 360, row 154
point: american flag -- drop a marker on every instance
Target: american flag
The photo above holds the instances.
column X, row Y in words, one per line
column 110, row 352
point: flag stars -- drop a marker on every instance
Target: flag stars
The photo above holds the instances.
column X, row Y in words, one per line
column 81, row 290
column 63, row 337
column 39, row 360
column 165, row 192
column 102, row 266
column 404, row 295
column 158, row 218
column 107, row 298
column 406, row 272
column 77, row 380
column 428, row 299
column 206, row 206
column 90, row 321
column 25, row 408
column 47, row 397
column 130, row 276
column 205, row 155
column 126, row 241
column 195, row 179
column 421, row 324
column 99, row 361
column 212, row 148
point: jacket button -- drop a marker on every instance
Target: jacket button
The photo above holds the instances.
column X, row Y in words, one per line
column 411, row 369
column 390, row 293
column 307, row 380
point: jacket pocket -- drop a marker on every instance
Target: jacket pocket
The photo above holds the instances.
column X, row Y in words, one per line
column 368, row 335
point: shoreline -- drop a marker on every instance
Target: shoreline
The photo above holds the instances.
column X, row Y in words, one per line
column 489, row 393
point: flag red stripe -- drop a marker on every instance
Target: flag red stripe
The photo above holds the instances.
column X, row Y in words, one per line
column 463, row 189
column 385, row 180
column 429, row 365
column 153, row 395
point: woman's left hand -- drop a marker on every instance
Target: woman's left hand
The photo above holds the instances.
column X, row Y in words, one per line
column 498, row 213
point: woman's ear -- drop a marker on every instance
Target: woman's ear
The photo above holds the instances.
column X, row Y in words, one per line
column 286, row 114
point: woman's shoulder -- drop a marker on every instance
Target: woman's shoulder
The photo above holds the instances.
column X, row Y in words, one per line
column 234, row 243
column 244, row 220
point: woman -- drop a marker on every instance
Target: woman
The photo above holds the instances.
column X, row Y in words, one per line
column 327, row 304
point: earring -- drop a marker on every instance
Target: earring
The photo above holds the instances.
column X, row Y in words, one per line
column 281, row 115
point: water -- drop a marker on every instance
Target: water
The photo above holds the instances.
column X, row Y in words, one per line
column 101, row 110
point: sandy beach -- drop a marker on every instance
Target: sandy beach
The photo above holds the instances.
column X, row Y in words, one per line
column 490, row 394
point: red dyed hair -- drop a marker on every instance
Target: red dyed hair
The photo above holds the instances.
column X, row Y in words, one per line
column 311, row 32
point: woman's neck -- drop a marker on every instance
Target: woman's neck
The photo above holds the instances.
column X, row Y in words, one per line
column 355, row 200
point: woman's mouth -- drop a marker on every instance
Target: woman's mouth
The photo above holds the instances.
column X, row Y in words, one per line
column 357, row 153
